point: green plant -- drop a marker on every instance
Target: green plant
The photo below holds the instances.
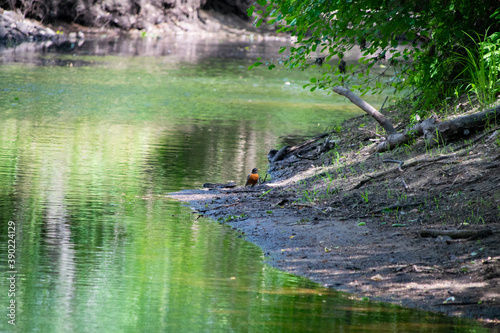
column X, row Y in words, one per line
column 264, row 194
column 481, row 63
column 402, row 197
column 389, row 193
column 329, row 182
column 364, row 195
column 335, row 157
column 311, row 196
column 303, row 220
column 230, row 218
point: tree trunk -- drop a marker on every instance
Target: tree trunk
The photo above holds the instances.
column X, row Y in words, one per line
column 358, row 101
column 435, row 132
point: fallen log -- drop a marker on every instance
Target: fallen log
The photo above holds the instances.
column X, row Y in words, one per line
column 219, row 185
column 456, row 234
column 277, row 155
column 435, row 132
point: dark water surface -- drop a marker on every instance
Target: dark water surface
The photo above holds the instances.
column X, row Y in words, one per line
column 94, row 137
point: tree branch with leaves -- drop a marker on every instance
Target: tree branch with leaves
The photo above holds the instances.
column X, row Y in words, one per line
column 405, row 44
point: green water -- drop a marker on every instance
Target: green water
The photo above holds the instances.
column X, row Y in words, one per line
column 90, row 146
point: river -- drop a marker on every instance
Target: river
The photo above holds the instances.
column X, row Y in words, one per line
column 93, row 138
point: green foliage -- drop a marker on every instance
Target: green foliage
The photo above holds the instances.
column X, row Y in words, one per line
column 404, row 44
column 364, row 195
column 265, row 193
column 481, row 67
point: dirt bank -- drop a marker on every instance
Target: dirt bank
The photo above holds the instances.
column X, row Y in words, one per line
column 210, row 22
column 339, row 215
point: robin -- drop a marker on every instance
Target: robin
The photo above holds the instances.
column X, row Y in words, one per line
column 253, row 178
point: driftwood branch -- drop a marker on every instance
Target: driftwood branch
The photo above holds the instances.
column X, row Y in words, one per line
column 307, row 143
column 359, row 102
column 456, row 234
column 275, row 156
column 279, row 155
column 400, row 167
column 456, row 303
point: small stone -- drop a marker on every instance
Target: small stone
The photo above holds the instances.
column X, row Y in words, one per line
column 377, row 277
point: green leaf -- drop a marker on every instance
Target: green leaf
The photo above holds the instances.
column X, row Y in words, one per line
column 250, row 10
column 263, row 194
column 258, row 63
column 282, row 49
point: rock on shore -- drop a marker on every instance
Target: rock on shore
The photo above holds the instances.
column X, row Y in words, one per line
column 15, row 28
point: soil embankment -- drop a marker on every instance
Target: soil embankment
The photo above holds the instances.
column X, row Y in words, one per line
column 423, row 233
column 73, row 20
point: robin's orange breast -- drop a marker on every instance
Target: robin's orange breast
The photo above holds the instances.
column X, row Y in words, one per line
column 252, row 179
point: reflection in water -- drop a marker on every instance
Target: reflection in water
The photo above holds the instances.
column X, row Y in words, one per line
column 87, row 157
column 59, row 247
column 178, row 49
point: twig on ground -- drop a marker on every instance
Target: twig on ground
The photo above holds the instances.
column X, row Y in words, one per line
column 264, row 179
column 396, row 205
column 396, row 161
column 424, row 160
column 456, row 304
column 454, row 182
column 372, row 132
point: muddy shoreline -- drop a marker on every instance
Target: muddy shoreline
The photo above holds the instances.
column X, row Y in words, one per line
column 381, row 256
column 366, row 261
